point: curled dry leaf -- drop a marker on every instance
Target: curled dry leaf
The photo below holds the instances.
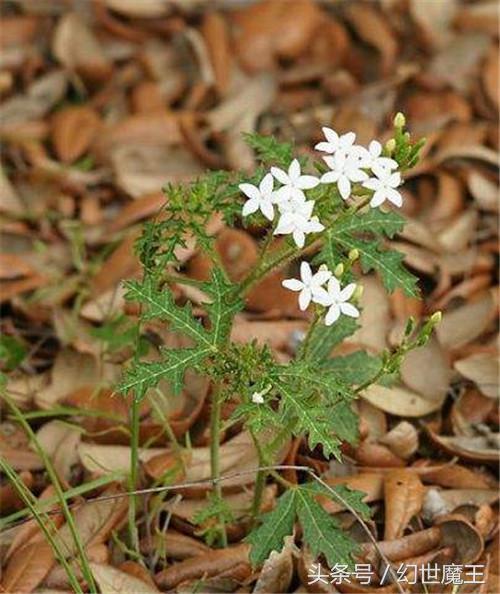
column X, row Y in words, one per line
column 462, row 536
column 403, row 495
column 407, row 546
column 28, row 567
column 402, row 402
column 456, row 476
column 376, row 456
column 369, row 482
column 277, row 572
column 434, row 20
column 208, row 565
column 402, row 439
column 59, row 441
column 94, row 522
column 464, row 324
column 75, row 46
column 104, row 459
column 113, row 581
column 73, row 131
column 146, row 9
column 483, row 370
column 474, row 449
column 483, row 190
column 470, row 408
column 179, row 546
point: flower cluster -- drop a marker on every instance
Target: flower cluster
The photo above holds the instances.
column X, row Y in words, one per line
column 324, row 289
column 348, row 163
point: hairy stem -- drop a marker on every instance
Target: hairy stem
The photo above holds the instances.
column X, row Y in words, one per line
column 302, row 354
column 215, row 422
column 260, row 481
column 133, row 475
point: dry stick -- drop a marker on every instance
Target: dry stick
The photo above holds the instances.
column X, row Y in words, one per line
column 222, row 478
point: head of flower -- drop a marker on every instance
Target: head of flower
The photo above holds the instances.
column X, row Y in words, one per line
column 259, row 198
column 384, row 186
column 346, row 169
column 338, row 301
column 333, row 143
column 298, row 222
column 294, row 182
column 310, row 286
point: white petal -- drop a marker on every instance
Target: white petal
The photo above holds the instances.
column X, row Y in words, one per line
column 330, row 161
column 344, row 186
column 347, row 291
column 305, row 272
column 299, row 238
column 250, row 207
column 330, row 177
column 321, row 277
column 297, row 195
column 347, row 140
column 266, row 185
column 282, row 195
column 372, row 184
column 348, row 309
column 321, row 296
column 294, row 170
column 334, row 287
column 293, row 284
column 394, row 180
column 306, row 209
column 280, row 175
column 330, row 135
column 357, row 175
column 314, row 226
column 250, row 190
column 267, row 209
column 325, row 147
column 286, row 224
column 386, row 163
column 332, row 314
column 304, row 299
column 375, row 148
column 381, row 172
column 306, row 182
column 378, row 198
column 395, row 197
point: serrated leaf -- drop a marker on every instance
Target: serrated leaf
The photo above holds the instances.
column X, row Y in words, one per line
column 143, row 376
column 387, row 262
column 373, row 221
column 322, row 533
column 276, row 525
column 355, row 368
column 325, row 338
column 311, row 418
column 223, row 306
column 342, row 494
column 328, row 384
column 269, row 150
column 161, row 305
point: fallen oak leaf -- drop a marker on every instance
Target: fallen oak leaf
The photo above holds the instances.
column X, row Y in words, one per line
column 208, row 565
column 403, row 495
column 27, row 567
column 114, row 581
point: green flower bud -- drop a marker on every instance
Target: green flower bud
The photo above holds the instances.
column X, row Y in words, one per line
column 339, row 270
column 399, row 120
column 358, row 292
column 353, row 255
column 390, row 146
column 436, row 317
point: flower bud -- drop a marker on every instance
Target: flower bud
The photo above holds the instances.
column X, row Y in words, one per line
column 353, row 255
column 339, row 270
column 399, row 120
column 390, row 146
column 436, row 317
column 358, row 292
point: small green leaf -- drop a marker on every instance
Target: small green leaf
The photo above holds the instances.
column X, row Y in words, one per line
column 355, row 368
column 276, row 525
column 269, row 150
column 325, row 338
column 322, row 533
column 142, row 376
column 387, row 262
column 373, row 221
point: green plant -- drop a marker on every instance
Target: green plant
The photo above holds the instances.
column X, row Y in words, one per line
column 312, row 395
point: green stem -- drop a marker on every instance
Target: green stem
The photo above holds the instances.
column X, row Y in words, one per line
column 260, row 481
column 84, row 562
column 302, row 354
column 215, row 421
column 133, row 475
column 44, row 522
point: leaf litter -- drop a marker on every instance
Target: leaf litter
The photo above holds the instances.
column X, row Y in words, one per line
column 104, row 105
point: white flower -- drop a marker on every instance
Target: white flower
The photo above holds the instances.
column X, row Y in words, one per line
column 294, row 183
column 258, row 398
column 375, row 159
column 310, row 285
column 334, row 142
column 338, row 301
column 346, row 169
column 384, row 187
column 298, row 222
column 260, row 198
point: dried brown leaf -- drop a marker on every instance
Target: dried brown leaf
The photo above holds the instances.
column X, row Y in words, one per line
column 27, row 567
column 483, row 370
column 403, row 495
column 113, row 581
column 73, row 131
